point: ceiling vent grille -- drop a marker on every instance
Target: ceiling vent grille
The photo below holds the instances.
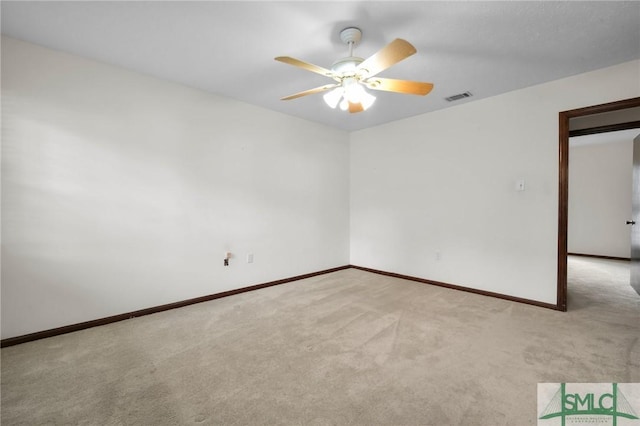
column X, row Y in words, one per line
column 458, row 96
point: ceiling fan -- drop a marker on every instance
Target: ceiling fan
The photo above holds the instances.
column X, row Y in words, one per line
column 352, row 74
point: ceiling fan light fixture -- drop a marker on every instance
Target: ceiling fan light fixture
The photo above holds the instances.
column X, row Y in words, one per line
column 355, row 93
column 366, row 100
column 352, row 92
column 333, row 97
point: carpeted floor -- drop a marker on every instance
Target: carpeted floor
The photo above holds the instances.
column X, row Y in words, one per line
column 349, row 347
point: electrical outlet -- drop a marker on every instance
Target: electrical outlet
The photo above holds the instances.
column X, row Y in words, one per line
column 438, row 255
column 250, row 258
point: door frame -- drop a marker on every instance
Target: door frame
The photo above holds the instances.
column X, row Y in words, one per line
column 563, row 177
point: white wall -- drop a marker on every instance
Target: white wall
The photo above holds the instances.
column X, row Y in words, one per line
column 121, row 192
column 445, row 181
column 600, row 199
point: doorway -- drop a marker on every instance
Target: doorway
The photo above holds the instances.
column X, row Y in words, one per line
column 594, row 119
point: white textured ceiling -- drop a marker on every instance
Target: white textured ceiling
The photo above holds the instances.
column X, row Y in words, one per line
column 227, row 48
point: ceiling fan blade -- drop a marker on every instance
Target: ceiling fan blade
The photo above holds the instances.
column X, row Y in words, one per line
column 399, row 86
column 389, row 55
column 355, row 107
column 310, row 92
column 305, row 65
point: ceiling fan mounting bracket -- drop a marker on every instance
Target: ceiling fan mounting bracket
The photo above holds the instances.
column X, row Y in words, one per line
column 351, row 35
column 346, row 67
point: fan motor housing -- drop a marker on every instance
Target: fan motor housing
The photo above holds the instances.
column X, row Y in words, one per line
column 346, row 65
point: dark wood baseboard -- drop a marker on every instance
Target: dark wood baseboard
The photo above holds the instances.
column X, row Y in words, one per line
column 115, row 318
column 597, row 256
column 461, row 288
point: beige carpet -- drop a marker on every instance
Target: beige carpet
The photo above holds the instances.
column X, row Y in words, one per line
column 349, row 347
